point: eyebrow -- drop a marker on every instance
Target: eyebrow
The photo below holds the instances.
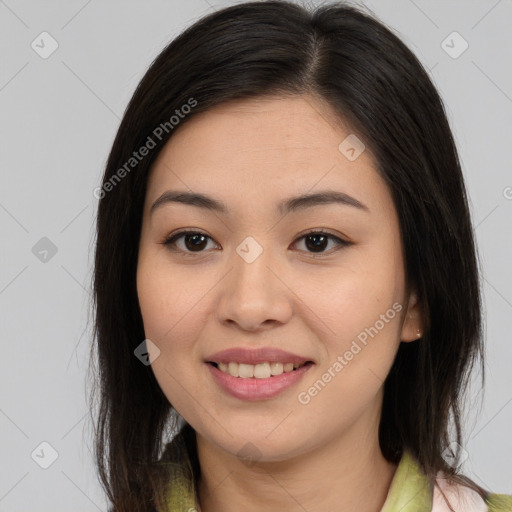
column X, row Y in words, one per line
column 288, row 205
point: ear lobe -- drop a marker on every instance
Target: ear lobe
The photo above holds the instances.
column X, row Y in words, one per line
column 412, row 327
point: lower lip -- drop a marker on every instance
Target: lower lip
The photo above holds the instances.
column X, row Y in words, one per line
column 257, row 389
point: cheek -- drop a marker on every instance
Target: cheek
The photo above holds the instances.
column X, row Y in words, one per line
column 359, row 347
column 343, row 302
column 357, row 313
column 168, row 300
column 173, row 317
column 152, row 302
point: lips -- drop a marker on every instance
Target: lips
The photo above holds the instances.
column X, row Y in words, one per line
column 251, row 379
column 256, row 356
column 255, row 389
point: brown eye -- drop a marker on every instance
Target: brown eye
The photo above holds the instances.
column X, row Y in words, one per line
column 317, row 241
column 194, row 241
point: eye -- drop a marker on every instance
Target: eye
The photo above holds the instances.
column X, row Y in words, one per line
column 195, row 241
column 316, row 240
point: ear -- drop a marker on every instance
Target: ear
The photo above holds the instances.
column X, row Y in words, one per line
column 412, row 327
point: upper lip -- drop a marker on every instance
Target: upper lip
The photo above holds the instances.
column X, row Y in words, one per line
column 255, row 356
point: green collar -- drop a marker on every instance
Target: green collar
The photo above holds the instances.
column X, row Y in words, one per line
column 181, row 490
column 410, row 490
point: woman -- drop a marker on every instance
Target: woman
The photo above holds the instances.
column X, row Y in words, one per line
column 285, row 264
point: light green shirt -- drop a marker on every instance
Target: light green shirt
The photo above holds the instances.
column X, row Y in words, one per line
column 410, row 491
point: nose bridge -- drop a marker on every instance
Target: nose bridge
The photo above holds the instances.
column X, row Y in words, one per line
column 252, row 272
column 253, row 294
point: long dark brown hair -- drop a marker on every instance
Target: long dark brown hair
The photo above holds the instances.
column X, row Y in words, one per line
column 348, row 58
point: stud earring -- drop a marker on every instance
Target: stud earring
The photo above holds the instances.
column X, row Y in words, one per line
column 418, row 333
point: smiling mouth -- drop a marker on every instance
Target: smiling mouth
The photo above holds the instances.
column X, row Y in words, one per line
column 257, row 371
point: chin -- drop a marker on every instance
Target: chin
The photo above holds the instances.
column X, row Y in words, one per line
column 259, row 448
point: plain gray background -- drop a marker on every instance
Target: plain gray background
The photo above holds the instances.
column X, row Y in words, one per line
column 58, row 119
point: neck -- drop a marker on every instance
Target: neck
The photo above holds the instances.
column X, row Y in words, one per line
column 348, row 474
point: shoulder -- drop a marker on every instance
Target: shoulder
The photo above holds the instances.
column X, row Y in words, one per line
column 450, row 496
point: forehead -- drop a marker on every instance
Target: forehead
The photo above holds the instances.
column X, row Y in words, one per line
column 263, row 127
column 260, row 150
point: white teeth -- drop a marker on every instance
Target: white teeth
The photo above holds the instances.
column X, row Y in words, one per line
column 245, row 370
column 233, row 369
column 258, row 371
column 262, row 371
column 276, row 368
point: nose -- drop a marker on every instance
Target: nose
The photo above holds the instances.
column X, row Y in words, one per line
column 255, row 294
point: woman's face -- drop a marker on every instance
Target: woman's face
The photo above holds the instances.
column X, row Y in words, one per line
column 248, row 278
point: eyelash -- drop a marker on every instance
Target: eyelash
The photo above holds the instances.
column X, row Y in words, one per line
column 171, row 240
